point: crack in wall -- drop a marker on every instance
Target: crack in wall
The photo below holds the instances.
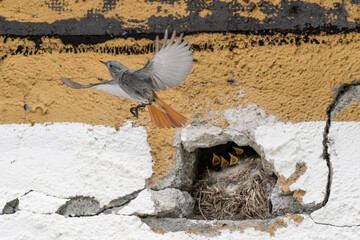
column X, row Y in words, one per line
column 340, row 93
column 77, row 205
column 333, row 225
column 120, row 202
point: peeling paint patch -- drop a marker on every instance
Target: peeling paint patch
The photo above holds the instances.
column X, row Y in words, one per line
column 119, row 18
column 284, row 183
column 291, row 147
column 64, row 160
column 40, row 203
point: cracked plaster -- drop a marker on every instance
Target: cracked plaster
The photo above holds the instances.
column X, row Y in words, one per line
column 169, row 202
column 65, row 160
column 116, row 227
column 280, row 143
column 343, row 207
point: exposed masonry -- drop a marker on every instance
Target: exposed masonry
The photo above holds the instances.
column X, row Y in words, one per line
column 243, row 123
column 344, row 95
column 183, row 224
column 180, row 178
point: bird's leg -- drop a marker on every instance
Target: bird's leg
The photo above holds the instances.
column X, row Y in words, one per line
column 135, row 110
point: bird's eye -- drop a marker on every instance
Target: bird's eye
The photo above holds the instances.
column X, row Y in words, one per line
column 110, row 65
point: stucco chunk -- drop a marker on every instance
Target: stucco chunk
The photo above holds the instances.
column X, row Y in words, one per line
column 202, row 135
column 286, row 144
column 40, row 203
column 73, row 159
column 79, row 206
column 169, row 202
column 343, row 207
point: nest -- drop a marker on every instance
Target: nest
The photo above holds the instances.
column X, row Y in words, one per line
column 234, row 193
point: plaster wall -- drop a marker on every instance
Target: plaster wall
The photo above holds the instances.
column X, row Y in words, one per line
column 53, row 136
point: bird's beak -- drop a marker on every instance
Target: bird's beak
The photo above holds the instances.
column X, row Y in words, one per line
column 103, row 62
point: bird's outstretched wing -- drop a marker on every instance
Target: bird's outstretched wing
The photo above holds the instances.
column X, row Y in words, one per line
column 170, row 65
column 110, row 87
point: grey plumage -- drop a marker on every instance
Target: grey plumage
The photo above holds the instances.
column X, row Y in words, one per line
column 167, row 69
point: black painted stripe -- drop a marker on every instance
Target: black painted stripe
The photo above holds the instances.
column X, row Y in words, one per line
column 294, row 17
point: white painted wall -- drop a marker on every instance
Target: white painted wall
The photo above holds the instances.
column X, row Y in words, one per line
column 61, row 160
column 64, row 160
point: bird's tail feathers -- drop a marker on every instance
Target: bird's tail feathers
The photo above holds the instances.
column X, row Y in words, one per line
column 164, row 116
column 75, row 85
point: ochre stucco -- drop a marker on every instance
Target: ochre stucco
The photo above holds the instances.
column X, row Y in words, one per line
column 140, row 10
column 293, row 82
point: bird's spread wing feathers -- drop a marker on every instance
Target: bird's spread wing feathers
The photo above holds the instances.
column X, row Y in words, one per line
column 111, row 87
column 171, row 64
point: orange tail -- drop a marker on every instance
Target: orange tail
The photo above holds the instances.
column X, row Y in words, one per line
column 166, row 117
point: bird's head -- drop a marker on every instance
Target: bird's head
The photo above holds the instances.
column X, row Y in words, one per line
column 115, row 68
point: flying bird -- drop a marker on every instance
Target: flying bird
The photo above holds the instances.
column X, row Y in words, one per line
column 167, row 69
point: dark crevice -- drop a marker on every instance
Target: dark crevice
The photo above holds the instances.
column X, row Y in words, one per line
column 231, row 184
column 340, row 92
column 84, row 206
column 119, row 202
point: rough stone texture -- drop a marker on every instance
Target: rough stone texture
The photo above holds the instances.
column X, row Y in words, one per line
column 283, row 203
column 8, row 195
column 183, row 224
column 204, row 135
column 351, row 95
column 243, row 123
column 182, row 173
column 10, row 207
column 169, row 202
column 79, row 206
column 172, row 202
column 281, row 146
column 343, row 207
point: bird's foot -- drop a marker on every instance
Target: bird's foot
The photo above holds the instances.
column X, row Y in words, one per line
column 135, row 110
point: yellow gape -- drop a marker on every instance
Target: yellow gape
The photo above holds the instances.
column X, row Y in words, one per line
column 224, row 162
column 233, row 159
column 215, row 160
column 238, row 151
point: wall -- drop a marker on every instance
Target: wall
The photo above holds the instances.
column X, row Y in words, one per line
column 283, row 56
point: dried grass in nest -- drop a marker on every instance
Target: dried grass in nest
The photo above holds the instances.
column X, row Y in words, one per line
column 235, row 193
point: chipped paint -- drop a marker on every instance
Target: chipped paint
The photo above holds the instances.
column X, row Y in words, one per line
column 284, row 183
column 290, row 77
column 50, row 11
column 120, row 18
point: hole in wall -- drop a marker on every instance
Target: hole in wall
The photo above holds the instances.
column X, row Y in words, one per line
column 230, row 184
